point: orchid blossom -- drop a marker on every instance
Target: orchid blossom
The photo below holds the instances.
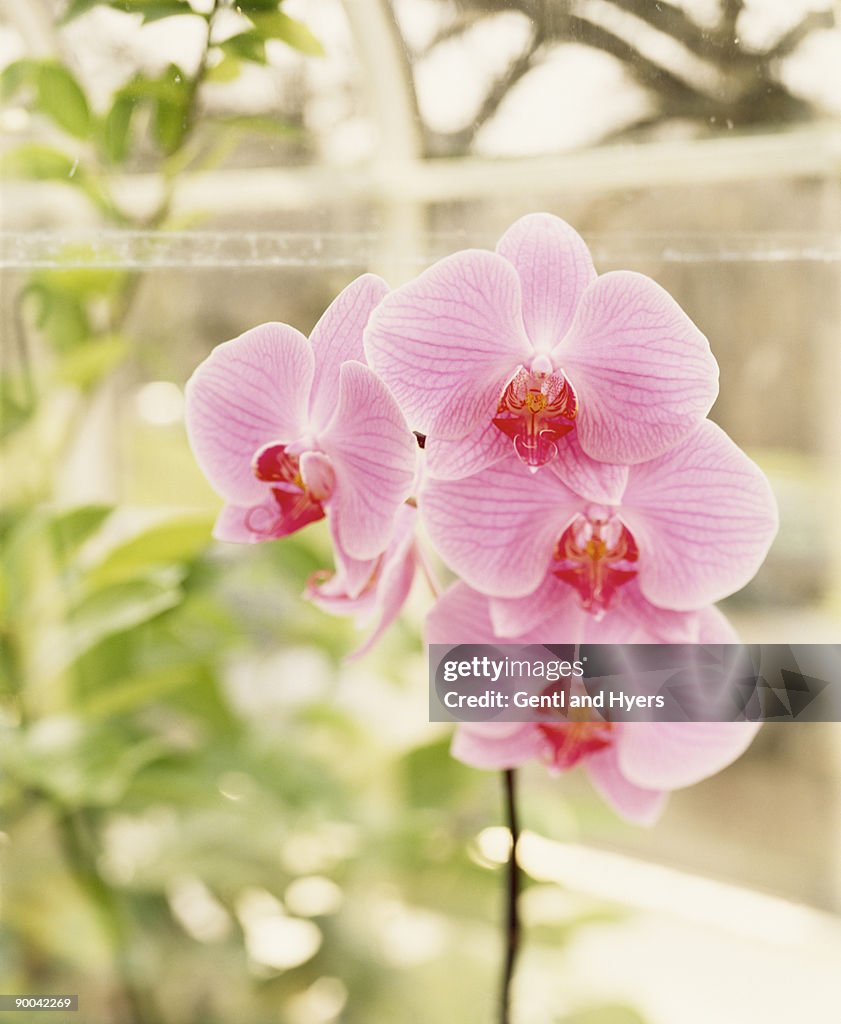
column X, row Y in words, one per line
column 289, row 430
column 633, row 765
column 691, row 526
column 513, row 350
column 642, row 514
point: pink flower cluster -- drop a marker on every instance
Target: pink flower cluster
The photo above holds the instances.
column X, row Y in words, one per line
column 568, row 475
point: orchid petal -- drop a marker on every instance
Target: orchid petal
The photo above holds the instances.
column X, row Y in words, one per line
column 715, row 628
column 235, row 524
column 373, row 457
column 601, row 482
column 670, row 755
column 497, row 529
column 553, row 609
column 637, row 804
column 317, row 475
column 453, row 460
column 249, row 392
column 337, row 338
column 353, row 575
column 703, row 517
column 460, row 616
column 447, row 342
column 394, row 585
column 652, row 623
column 643, row 372
column 555, row 269
column 495, row 746
column 266, row 520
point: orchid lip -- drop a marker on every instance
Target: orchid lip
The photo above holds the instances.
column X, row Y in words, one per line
column 597, row 556
column 295, row 504
column 569, row 742
column 537, row 408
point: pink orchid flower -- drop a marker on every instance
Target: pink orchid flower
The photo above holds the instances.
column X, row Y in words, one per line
column 288, row 430
column 690, row 526
column 632, row 765
column 371, row 589
column 486, row 351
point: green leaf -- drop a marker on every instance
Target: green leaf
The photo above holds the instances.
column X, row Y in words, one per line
column 62, row 318
column 77, row 7
column 277, row 25
column 87, row 364
column 171, row 118
column 78, row 765
column 227, row 70
column 164, row 89
column 15, row 76
column 71, row 529
column 40, row 163
column 16, row 408
column 80, row 281
column 174, row 541
column 251, row 6
column 117, row 609
column 169, row 126
column 153, row 10
column 170, row 95
column 58, row 93
column 116, row 128
column 36, row 162
column 248, row 45
column 61, row 98
column 138, row 691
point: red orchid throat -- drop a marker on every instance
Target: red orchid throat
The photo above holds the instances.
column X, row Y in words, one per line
column 596, row 555
column 567, row 743
column 536, row 409
column 296, row 504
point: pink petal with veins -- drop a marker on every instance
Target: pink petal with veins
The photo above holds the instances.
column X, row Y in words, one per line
column 483, row 446
column 337, row 338
column 495, row 746
column 671, row 755
column 555, row 269
column 497, row 529
column 637, row 804
column 248, row 393
column 703, row 516
column 643, row 372
column 373, row 455
column 447, row 342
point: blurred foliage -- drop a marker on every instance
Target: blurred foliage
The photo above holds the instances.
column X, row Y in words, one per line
column 196, row 825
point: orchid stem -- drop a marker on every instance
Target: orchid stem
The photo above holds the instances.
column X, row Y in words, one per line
column 512, row 911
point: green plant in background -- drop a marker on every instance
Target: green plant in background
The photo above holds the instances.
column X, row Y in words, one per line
column 155, row 122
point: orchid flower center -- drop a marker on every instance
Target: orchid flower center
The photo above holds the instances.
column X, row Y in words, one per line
column 568, row 742
column 537, row 408
column 296, row 504
column 596, row 555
